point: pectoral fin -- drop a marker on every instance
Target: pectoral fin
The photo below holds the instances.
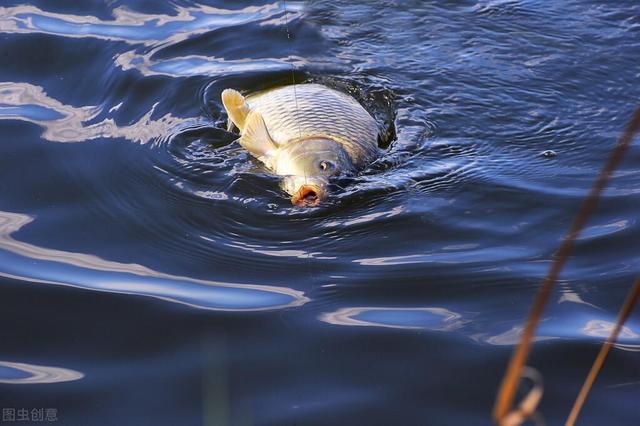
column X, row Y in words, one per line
column 255, row 137
column 236, row 107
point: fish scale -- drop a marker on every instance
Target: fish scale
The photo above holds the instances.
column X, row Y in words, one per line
column 311, row 110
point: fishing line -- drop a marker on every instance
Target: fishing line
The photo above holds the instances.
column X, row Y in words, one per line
column 293, row 77
column 295, row 98
column 508, row 387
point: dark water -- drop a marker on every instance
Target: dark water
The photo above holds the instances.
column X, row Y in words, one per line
column 153, row 274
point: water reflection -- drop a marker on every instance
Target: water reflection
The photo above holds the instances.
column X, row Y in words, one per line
column 17, row 260
column 276, row 250
column 65, row 123
column 602, row 329
column 510, row 337
column 365, row 218
column 198, row 65
column 17, row 373
column 135, row 27
column 578, row 325
column 483, row 255
column 599, row 231
column 435, row 319
column 159, row 31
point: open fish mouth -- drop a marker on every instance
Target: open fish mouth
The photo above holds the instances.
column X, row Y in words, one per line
column 307, row 196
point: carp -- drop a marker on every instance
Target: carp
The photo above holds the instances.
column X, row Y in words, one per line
column 307, row 133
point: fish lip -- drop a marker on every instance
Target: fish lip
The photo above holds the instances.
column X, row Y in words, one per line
column 307, row 196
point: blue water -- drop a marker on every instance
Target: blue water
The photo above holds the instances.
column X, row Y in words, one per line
column 152, row 273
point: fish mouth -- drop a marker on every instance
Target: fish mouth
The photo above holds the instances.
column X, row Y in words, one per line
column 307, row 196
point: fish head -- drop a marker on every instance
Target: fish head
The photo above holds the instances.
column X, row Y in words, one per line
column 308, row 166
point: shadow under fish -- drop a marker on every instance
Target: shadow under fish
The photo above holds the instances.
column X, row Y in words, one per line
column 307, row 133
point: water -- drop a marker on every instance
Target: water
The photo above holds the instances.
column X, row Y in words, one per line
column 153, row 273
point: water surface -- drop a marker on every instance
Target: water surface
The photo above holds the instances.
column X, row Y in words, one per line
column 153, row 273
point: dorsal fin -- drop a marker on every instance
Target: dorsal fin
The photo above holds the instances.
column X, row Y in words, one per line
column 255, row 136
column 236, row 107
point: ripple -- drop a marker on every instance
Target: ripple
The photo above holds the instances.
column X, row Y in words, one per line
column 196, row 65
column 365, row 218
column 475, row 255
column 599, row 231
column 91, row 272
column 159, row 32
column 510, row 337
column 434, row 319
column 276, row 251
column 602, row 329
column 580, row 325
column 17, row 373
column 65, row 123
column 131, row 26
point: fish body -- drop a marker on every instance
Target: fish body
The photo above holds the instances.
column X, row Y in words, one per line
column 307, row 133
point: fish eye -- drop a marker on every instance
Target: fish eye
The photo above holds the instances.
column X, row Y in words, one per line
column 326, row 165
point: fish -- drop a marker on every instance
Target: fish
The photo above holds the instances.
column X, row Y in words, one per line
column 308, row 133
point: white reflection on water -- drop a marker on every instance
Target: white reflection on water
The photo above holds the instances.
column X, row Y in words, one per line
column 64, row 123
column 196, row 65
column 131, row 26
column 572, row 327
column 275, row 250
column 17, row 373
column 600, row 328
column 366, row 218
column 568, row 295
column 435, row 319
column 451, row 257
column 599, row 231
column 509, row 337
column 578, row 326
column 20, row 260
column 159, row 31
